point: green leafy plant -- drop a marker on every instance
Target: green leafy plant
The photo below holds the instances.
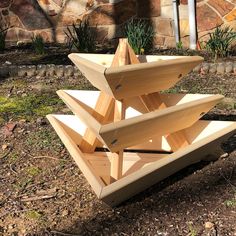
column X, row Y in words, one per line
column 220, row 41
column 140, row 35
column 230, row 203
column 193, row 231
column 3, row 33
column 38, row 44
column 82, row 37
column 179, row 45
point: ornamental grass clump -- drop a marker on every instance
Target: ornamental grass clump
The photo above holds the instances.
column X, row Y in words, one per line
column 82, row 37
column 140, row 35
column 220, row 41
column 38, row 44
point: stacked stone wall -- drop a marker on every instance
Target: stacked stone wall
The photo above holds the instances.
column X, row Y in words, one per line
column 50, row 18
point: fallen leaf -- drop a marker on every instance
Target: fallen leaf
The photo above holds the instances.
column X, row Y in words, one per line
column 4, row 146
column 209, row 225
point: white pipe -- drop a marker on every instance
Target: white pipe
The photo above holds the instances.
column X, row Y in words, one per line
column 192, row 24
column 176, row 20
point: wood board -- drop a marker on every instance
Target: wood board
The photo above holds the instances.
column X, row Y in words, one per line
column 128, row 80
column 141, row 128
column 204, row 136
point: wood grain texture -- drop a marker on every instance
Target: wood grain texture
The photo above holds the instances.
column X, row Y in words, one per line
column 103, row 107
column 128, row 80
column 93, row 179
column 78, row 109
column 204, row 135
column 144, row 78
column 121, row 58
column 94, row 72
column 136, row 130
column 153, row 102
column 140, row 180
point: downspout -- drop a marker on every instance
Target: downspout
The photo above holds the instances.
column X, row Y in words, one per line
column 176, row 20
column 192, row 24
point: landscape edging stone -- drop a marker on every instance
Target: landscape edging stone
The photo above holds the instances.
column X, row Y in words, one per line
column 66, row 71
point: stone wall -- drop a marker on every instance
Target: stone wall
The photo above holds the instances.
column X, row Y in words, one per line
column 50, row 18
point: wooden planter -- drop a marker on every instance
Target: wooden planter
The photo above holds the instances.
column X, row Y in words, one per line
column 128, row 136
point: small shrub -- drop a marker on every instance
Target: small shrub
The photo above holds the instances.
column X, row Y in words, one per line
column 140, row 35
column 38, row 44
column 220, row 41
column 3, row 33
column 82, row 37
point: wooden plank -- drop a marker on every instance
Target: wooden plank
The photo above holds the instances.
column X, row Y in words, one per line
column 135, row 130
column 105, row 60
column 121, row 58
column 128, row 81
column 159, row 74
column 101, row 161
column 132, row 57
column 79, row 110
column 94, row 180
column 153, row 102
column 92, row 71
column 103, row 108
column 140, row 180
column 117, row 158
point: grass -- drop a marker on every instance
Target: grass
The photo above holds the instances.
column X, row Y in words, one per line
column 33, row 171
column 43, row 139
column 33, row 215
column 193, row 231
column 230, row 203
column 13, row 157
column 28, row 107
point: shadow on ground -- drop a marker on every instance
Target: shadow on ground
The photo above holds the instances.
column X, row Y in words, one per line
column 184, row 200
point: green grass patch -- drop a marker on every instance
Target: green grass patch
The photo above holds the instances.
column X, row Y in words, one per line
column 192, row 230
column 33, row 215
column 231, row 202
column 44, row 139
column 28, row 107
column 33, row 171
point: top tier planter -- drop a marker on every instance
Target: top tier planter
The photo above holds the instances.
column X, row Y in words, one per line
column 154, row 73
column 128, row 136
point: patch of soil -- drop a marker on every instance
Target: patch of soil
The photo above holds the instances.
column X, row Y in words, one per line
column 59, row 55
column 207, row 84
column 28, row 57
column 42, row 191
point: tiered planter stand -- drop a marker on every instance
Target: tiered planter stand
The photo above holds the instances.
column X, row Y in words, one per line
column 128, row 136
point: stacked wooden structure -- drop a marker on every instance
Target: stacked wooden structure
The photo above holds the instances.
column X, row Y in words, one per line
column 128, row 135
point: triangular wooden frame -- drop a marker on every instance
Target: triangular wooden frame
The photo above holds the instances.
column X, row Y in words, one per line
column 147, row 136
column 205, row 136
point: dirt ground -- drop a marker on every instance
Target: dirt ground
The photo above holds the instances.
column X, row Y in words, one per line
column 58, row 55
column 42, row 191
